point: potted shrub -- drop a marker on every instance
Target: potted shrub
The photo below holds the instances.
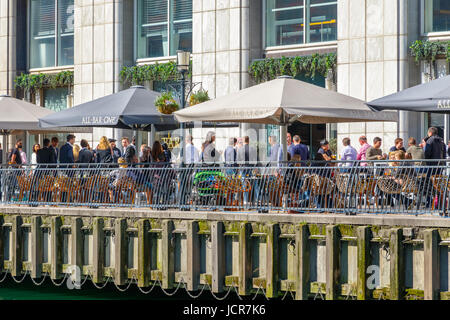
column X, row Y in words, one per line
column 198, row 97
column 166, row 103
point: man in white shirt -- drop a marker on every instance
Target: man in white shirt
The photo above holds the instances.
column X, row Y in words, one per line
column 230, row 154
column 274, row 149
column 348, row 153
column 192, row 155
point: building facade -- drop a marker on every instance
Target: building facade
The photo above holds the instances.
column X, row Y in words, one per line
column 95, row 39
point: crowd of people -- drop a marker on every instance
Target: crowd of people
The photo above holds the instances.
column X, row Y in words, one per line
column 431, row 147
column 240, row 156
column 239, row 150
column 106, row 152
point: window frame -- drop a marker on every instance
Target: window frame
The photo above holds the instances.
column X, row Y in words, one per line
column 306, row 30
column 56, row 40
column 170, row 25
column 422, row 25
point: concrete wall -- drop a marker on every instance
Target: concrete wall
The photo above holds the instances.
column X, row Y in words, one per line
column 315, row 256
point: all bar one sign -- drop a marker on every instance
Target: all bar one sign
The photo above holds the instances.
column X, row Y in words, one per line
column 443, row 104
column 99, row 120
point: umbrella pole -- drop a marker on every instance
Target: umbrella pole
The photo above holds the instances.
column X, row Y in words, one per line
column 5, row 148
column 152, row 135
column 283, row 142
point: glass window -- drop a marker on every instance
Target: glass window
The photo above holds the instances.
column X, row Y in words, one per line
column 164, row 26
column 437, row 15
column 65, row 32
column 51, row 33
column 56, row 99
column 285, row 21
column 322, row 26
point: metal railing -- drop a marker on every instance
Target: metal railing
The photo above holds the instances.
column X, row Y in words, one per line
column 405, row 187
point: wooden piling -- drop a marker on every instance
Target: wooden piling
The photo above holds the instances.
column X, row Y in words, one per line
column 143, row 267
column 363, row 243
column 120, row 251
column 218, row 256
column 431, row 264
column 272, row 260
column 397, row 276
column 302, row 262
column 36, row 247
column 98, row 236
column 332, row 262
column 167, row 247
column 193, row 256
column 245, row 259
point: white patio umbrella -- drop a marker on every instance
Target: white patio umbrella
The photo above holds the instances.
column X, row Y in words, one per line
column 282, row 101
column 19, row 115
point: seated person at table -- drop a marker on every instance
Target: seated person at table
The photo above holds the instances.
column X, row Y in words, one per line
column 375, row 152
column 398, row 145
column 400, row 176
column 119, row 175
column 324, row 157
column 324, row 153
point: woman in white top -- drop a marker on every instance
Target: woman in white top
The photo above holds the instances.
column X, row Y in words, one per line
column 36, row 147
column 209, row 151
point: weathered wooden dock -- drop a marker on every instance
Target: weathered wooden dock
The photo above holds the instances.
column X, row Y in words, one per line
column 312, row 256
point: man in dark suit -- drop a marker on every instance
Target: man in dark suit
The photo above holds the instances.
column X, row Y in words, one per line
column 129, row 152
column 54, row 147
column 66, row 152
column 85, row 155
column 46, row 155
column 116, row 151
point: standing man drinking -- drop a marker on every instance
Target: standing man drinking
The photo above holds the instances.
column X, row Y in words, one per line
column 129, row 151
column 116, row 151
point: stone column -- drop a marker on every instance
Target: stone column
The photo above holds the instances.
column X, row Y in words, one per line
column 373, row 60
column 220, row 53
column 98, row 50
column 8, row 13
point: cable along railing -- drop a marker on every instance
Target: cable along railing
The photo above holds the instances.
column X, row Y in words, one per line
column 347, row 187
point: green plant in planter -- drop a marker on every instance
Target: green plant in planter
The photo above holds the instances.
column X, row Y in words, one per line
column 166, row 103
column 33, row 82
column 198, row 97
column 310, row 66
column 430, row 50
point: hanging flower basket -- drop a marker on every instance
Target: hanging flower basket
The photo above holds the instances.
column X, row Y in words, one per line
column 198, row 97
column 166, row 103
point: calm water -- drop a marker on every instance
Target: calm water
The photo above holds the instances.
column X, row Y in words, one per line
column 9, row 290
